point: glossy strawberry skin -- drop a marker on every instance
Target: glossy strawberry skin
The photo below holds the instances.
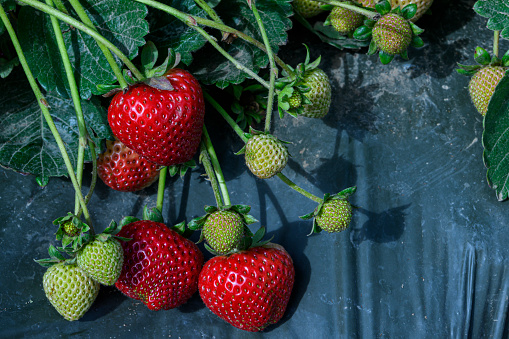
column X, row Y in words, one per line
column 161, row 267
column 122, row 169
column 249, row 289
column 163, row 126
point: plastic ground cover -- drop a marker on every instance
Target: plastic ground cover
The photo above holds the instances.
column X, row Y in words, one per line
column 426, row 255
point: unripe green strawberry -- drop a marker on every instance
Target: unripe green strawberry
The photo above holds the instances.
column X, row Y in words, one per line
column 265, row 155
column 307, row 8
column 482, row 86
column 345, row 21
column 295, row 100
column 392, row 34
column 71, row 229
column 70, row 290
column 319, row 95
column 367, row 3
column 102, row 260
column 335, row 215
column 223, row 231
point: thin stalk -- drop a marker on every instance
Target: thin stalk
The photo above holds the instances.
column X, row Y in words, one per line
column 496, row 38
column 302, row 191
column 209, row 169
column 225, row 115
column 84, row 28
column 210, row 12
column 273, row 69
column 216, row 166
column 160, row 188
column 360, row 10
column 192, row 20
column 107, row 54
column 42, row 104
column 82, row 130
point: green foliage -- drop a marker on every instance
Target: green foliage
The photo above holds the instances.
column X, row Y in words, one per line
column 497, row 12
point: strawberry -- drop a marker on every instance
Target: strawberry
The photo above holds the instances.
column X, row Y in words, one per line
column 307, row 8
column 392, row 34
column 335, row 215
column 482, row 86
column 102, row 260
column 345, row 21
column 249, row 289
column 367, row 3
column 265, row 155
column 422, row 6
column 223, row 230
column 160, row 267
column 162, row 125
column 69, row 290
column 123, row 169
column 313, row 90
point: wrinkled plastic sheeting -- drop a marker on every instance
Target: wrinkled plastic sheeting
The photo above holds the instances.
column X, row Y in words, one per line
column 425, row 256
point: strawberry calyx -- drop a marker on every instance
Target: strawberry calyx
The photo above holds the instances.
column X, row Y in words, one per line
column 55, row 258
column 72, row 233
column 392, row 32
column 252, row 132
column 241, row 211
column 291, row 86
column 154, row 76
column 483, row 59
column 343, row 195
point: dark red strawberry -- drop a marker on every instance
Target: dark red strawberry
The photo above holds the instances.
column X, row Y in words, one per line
column 123, row 169
column 161, row 267
column 164, row 126
column 249, row 289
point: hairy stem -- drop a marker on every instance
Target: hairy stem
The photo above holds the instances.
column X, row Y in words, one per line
column 294, row 186
column 217, row 168
column 273, row 69
column 347, row 5
column 45, row 111
column 84, row 28
column 209, row 169
column 225, row 115
column 107, row 53
column 160, row 188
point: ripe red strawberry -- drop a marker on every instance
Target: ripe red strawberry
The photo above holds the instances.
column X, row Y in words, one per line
column 249, row 289
column 482, row 86
column 123, row 169
column 161, row 267
column 163, row 126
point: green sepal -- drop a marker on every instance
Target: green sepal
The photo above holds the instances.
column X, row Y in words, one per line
column 315, row 228
column 160, row 82
column 505, row 59
column 197, row 223
column 54, row 253
column 180, row 228
column 415, row 29
column 470, row 67
column 129, row 77
column 42, row 181
column 113, row 228
column 465, row 72
column 108, row 90
column 482, row 56
column 383, row 7
column 181, row 169
column 417, row 42
column 326, row 7
column 249, row 219
column 327, row 21
column 363, row 33
column 149, row 55
column 152, row 214
column 344, row 194
column 241, row 209
column 210, row 209
column 372, row 48
column 308, row 216
column 110, row 232
column 127, row 220
column 495, row 61
column 243, row 149
column 397, row 11
column 211, row 250
column 408, row 12
column 102, row 237
column 385, row 58
column 370, row 23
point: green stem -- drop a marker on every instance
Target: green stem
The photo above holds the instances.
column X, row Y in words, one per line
column 217, row 168
column 360, row 10
column 192, row 20
column 209, row 169
column 305, row 193
column 107, row 54
column 160, row 188
column 273, row 69
column 496, row 38
column 225, row 115
column 82, row 130
column 84, row 28
column 44, row 109
column 210, row 12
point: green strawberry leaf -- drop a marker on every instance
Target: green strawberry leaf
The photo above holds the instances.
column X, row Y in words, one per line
column 505, row 59
column 408, row 12
column 385, row 58
column 308, row 216
column 363, row 33
column 126, row 221
column 496, row 140
column 197, row 223
column 383, row 7
column 259, row 234
column 331, row 36
column 210, row 209
column 482, row 56
column 249, row 219
column 497, row 12
column 26, row 142
column 55, row 254
column 122, row 25
column 180, row 228
column 211, row 67
column 242, row 209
